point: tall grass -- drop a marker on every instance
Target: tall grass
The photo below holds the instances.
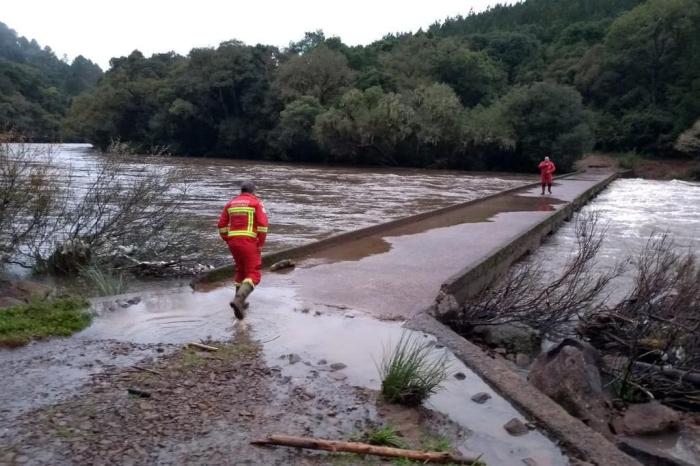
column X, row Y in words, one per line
column 410, row 371
column 103, row 283
column 386, row 436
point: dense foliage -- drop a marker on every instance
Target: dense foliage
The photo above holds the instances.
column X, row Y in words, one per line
column 496, row 90
column 36, row 87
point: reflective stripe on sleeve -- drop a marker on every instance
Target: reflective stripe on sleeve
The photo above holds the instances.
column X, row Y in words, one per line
column 262, row 229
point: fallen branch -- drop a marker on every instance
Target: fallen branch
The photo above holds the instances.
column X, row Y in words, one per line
column 202, row 347
column 365, row 449
column 145, row 369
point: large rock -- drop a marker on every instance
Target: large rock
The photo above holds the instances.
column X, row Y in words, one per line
column 569, row 375
column 17, row 292
column 647, row 419
column 514, row 337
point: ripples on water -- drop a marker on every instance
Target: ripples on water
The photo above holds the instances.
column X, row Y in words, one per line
column 632, row 210
column 306, row 203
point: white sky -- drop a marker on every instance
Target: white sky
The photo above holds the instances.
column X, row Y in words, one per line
column 101, row 29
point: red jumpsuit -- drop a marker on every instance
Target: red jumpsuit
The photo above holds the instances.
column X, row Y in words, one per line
column 547, row 168
column 243, row 225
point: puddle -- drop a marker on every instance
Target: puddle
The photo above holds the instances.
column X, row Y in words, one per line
column 326, row 335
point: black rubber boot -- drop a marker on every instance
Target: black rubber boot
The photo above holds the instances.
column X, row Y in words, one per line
column 238, row 304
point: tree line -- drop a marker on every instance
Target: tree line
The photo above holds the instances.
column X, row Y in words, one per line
column 495, row 90
column 36, row 87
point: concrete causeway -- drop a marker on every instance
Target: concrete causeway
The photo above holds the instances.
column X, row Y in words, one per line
column 397, row 270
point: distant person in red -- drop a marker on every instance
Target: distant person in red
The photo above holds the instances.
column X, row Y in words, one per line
column 243, row 225
column 547, row 169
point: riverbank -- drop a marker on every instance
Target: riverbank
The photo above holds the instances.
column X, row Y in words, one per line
column 642, row 167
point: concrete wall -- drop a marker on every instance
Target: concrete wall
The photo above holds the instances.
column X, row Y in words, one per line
column 226, row 272
column 476, row 277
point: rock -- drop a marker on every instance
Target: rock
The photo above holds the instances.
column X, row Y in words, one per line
column 647, row 419
column 339, row 376
column 501, row 351
column 514, row 337
column 460, row 376
column 293, row 358
column 281, row 265
column 516, row 428
column 338, row 366
column 523, row 360
column 322, row 362
column 8, row 301
column 18, row 292
column 349, row 316
column 134, row 301
column 648, row 454
column 569, row 375
column 530, row 462
column 481, row 398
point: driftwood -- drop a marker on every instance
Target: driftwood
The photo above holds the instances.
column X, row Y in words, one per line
column 145, row 369
column 193, row 344
column 365, row 449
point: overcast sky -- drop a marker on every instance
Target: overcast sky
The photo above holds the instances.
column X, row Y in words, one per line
column 100, row 29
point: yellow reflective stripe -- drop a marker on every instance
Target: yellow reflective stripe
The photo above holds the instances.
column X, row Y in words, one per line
column 223, row 230
column 262, row 229
column 233, row 210
column 249, row 211
column 242, row 233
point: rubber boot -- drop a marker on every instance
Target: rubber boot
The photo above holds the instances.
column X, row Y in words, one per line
column 238, row 303
column 245, row 306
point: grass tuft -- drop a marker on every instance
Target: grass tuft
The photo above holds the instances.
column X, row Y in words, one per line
column 410, row 372
column 386, row 436
column 61, row 317
column 103, row 283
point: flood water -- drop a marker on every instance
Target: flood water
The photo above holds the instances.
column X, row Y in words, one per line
column 631, row 210
column 304, row 202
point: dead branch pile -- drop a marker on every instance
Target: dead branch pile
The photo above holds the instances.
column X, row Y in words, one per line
column 529, row 295
column 655, row 330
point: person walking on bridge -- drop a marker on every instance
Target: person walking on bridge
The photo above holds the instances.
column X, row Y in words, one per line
column 547, row 169
column 243, row 225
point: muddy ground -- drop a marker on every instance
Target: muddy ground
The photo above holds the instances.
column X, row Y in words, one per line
column 205, row 408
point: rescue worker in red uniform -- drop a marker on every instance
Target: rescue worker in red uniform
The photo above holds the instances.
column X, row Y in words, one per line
column 243, row 225
column 547, row 169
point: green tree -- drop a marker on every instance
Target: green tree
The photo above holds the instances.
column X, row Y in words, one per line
column 548, row 119
column 293, row 135
column 366, row 127
column 321, row 73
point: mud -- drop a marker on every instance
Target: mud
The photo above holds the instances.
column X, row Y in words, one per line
column 205, row 408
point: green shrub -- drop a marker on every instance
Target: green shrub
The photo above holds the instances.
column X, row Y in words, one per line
column 410, row 372
column 62, row 317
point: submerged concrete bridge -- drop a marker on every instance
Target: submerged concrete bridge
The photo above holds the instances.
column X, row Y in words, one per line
column 398, row 269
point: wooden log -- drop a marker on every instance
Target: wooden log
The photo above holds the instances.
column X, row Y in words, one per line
column 193, row 344
column 365, row 449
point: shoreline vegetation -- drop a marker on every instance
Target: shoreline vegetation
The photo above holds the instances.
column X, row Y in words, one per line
column 490, row 91
column 42, row 319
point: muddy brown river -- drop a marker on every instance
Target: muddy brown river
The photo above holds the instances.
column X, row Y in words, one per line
column 304, row 202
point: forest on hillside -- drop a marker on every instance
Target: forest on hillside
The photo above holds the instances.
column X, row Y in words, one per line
column 36, row 87
column 494, row 90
